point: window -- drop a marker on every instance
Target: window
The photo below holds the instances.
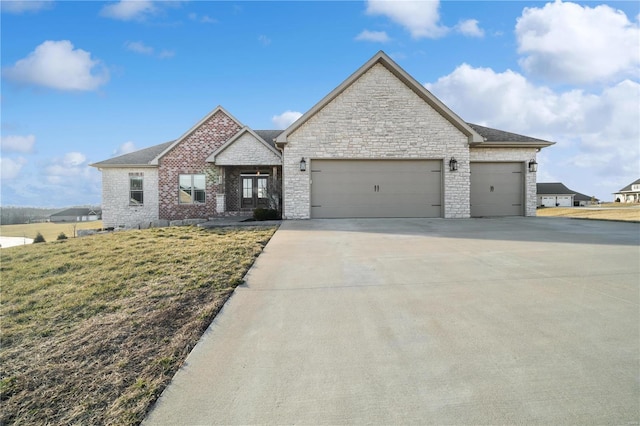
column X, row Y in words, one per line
column 192, row 189
column 136, row 189
column 635, row 187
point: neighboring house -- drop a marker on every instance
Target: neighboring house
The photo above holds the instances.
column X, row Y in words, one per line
column 557, row 195
column 379, row 145
column 76, row 214
column 628, row 194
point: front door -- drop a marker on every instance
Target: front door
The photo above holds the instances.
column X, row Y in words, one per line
column 254, row 192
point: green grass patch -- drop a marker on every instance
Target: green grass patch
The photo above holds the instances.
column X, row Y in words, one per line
column 93, row 329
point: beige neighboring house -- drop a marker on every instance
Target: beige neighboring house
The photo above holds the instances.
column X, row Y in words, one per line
column 628, row 194
column 378, row 145
column 556, row 194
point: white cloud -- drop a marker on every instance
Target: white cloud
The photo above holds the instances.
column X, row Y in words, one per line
column 285, row 119
column 375, row 36
column 30, row 6
column 165, row 53
column 129, row 10
column 264, row 40
column 205, row 19
column 125, row 148
column 470, row 28
column 570, row 43
column 16, row 143
column 72, row 165
column 597, row 134
column 10, row 168
column 56, row 64
column 138, row 47
column 420, row 18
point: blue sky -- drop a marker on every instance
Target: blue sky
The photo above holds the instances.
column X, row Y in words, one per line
column 84, row 81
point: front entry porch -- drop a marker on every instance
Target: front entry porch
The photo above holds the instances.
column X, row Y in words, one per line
column 247, row 188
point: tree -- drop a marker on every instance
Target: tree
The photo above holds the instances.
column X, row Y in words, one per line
column 39, row 239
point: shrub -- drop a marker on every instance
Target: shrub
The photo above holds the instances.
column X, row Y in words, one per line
column 39, row 239
column 61, row 236
column 266, row 214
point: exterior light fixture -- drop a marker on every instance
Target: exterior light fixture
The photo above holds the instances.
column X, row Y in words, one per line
column 533, row 166
column 453, row 164
column 303, row 165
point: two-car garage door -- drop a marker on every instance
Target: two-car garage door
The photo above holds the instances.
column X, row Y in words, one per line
column 376, row 188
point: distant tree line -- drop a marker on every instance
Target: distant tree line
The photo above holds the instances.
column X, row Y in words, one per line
column 18, row 215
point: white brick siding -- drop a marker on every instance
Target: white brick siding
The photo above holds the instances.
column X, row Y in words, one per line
column 377, row 117
column 513, row 154
column 116, row 210
column 247, row 151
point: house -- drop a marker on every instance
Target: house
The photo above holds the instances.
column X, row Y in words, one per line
column 379, row 145
column 557, row 194
column 76, row 214
column 628, row 194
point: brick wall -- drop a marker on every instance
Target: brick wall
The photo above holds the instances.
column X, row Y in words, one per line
column 116, row 211
column 516, row 155
column 378, row 116
column 189, row 157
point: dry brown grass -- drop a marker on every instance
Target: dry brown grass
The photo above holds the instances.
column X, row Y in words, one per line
column 613, row 211
column 49, row 230
column 94, row 328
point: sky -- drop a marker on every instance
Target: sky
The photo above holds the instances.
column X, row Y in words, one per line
column 85, row 81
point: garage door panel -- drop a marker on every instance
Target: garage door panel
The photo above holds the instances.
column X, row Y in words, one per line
column 375, row 188
column 497, row 189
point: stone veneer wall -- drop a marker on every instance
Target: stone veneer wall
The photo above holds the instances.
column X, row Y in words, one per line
column 189, row 157
column 116, row 211
column 377, row 117
column 248, row 150
column 513, row 154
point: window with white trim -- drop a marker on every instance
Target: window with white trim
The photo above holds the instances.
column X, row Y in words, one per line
column 136, row 189
column 192, row 189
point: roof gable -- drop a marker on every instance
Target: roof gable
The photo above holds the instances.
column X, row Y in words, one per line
column 404, row 77
column 219, row 108
column 228, row 146
column 628, row 187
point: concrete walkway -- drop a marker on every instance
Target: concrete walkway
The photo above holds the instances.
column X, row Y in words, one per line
column 424, row 321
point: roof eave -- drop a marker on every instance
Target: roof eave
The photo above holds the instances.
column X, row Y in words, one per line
column 123, row 166
column 507, row 144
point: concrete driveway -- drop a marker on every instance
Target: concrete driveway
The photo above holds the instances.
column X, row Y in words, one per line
column 424, row 321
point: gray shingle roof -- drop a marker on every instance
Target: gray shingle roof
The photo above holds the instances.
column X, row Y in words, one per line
column 495, row 135
column 553, row 188
column 628, row 187
column 269, row 135
column 137, row 158
column 76, row 211
column 556, row 188
column 144, row 156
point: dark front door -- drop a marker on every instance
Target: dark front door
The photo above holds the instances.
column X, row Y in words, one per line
column 254, row 192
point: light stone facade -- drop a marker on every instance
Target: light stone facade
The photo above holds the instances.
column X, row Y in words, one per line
column 116, row 209
column 248, row 150
column 523, row 155
column 376, row 117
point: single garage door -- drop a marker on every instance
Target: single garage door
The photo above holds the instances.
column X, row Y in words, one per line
column 497, row 189
column 376, row 188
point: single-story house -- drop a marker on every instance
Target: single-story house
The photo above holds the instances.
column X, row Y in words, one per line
column 76, row 214
column 557, row 194
column 378, row 145
column 628, row 194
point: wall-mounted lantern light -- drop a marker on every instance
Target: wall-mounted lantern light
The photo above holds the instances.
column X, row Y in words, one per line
column 453, row 164
column 533, row 166
column 303, row 165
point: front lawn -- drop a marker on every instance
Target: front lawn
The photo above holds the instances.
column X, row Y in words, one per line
column 93, row 328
